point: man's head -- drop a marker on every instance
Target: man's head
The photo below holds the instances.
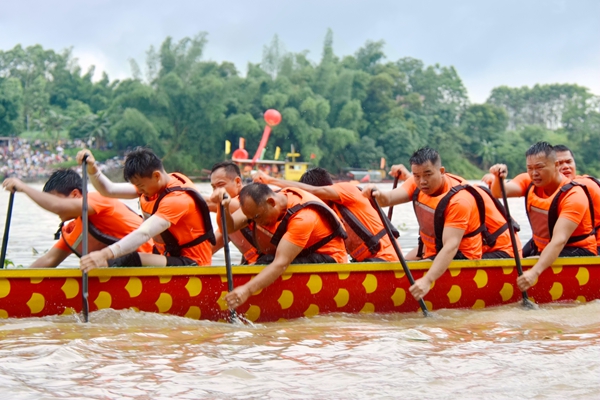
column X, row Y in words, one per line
column 259, row 204
column 226, row 174
column 566, row 161
column 64, row 183
column 316, row 177
column 144, row 170
column 542, row 165
column 428, row 173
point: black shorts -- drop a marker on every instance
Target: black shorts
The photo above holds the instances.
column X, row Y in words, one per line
column 495, row 254
column 314, row 258
column 458, row 256
column 530, row 249
column 134, row 260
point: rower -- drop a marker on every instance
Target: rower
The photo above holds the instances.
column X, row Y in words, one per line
column 227, row 175
column 177, row 217
column 109, row 219
column 567, row 167
column 455, row 218
column 367, row 240
column 292, row 227
column 558, row 209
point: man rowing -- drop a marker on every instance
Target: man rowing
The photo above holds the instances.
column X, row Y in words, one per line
column 567, row 167
column 177, row 217
column 367, row 239
column 291, row 227
column 227, row 175
column 455, row 218
column 109, row 219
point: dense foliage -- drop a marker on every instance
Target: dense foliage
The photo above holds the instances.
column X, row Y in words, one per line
column 346, row 112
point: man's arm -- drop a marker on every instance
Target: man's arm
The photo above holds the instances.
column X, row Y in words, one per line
column 563, row 230
column 103, row 185
column 66, row 208
column 284, row 255
column 385, row 199
column 151, row 227
column 322, row 192
column 497, row 172
column 51, row 259
column 451, row 239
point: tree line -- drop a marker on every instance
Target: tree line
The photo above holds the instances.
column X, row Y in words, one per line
column 345, row 111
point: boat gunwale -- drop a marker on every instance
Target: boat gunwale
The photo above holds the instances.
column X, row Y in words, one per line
column 292, row 269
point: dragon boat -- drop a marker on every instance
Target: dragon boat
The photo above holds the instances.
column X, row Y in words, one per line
column 303, row 291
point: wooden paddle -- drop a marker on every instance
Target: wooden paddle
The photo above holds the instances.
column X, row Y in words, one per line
column 85, row 308
column 526, row 302
column 233, row 316
column 388, row 230
column 391, row 208
column 11, row 200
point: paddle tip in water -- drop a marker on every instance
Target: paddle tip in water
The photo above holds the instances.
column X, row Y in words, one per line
column 529, row 305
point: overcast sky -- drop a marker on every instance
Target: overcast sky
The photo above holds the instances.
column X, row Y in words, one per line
column 490, row 42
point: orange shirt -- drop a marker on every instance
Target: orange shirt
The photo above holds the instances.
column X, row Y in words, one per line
column 186, row 220
column 461, row 213
column 574, row 206
column 352, row 198
column 306, row 227
column 249, row 252
column 111, row 217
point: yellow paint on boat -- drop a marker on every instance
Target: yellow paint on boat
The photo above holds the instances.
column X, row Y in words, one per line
column 103, row 279
column 70, row 288
column 193, row 312
column 36, row 280
column 221, row 302
column 557, row 269
column 581, row 299
column 342, row 297
column 164, row 279
column 507, row 270
column 583, row 276
column 286, row 299
column 36, row 303
column 370, row 283
column 478, row 304
column 343, row 275
column 104, row 300
column 454, row 272
column 454, row 294
column 3, row 314
column 312, row 310
column 480, row 278
column 194, row 286
column 164, row 302
column 399, row 274
column 429, row 305
column 315, row 284
column 253, row 313
column 399, row 297
column 368, row 308
column 285, row 277
column 68, row 311
column 556, row 291
column 4, row 287
column 134, row 286
column 507, row 291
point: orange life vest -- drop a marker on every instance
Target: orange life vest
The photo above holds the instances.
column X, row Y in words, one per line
column 266, row 242
column 72, row 234
column 543, row 214
column 172, row 246
column 361, row 242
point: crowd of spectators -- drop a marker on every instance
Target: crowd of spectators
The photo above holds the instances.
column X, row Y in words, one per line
column 36, row 160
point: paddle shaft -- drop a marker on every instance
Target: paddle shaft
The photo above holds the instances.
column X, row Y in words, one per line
column 227, row 254
column 85, row 309
column 11, row 200
column 391, row 208
column 512, row 237
column 388, row 230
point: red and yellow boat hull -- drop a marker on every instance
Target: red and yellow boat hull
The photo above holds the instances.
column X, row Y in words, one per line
column 303, row 291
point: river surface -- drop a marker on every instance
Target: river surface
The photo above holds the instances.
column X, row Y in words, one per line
column 495, row 353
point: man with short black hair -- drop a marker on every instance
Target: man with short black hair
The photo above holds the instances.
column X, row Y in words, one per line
column 177, row 216
column 292, row 226
column 109, row 219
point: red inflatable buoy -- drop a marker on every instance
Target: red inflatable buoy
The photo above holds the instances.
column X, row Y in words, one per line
column 272, row 117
